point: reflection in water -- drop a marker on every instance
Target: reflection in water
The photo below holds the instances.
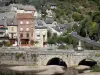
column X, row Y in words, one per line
column 5, row 71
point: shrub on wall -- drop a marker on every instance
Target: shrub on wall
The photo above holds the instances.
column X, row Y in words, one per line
column 1, row 44
column 62, row 47
column 18, row 55
column 9, row 44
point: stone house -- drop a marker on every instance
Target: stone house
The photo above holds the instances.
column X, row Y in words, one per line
column 3, row 30
column 41, row 33
column 12, row 30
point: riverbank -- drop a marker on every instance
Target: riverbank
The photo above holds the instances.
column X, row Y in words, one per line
column 91, row 73
column 51, row 69
column 43, row 70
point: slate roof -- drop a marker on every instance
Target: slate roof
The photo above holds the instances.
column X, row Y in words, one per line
column 7, row 14
column 51, row 3
column 5, row 9
column 62, row 27
column 49, row 20
column 40, row 25
column 3, row 22
column 11, row 22
column 4, row 2
column 24, row 7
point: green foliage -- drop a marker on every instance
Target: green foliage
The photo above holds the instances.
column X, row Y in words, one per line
column 97, row 55
column 59, row 40
column 1, row 44
column 77, row 17
column 62, row 47
column 75, row 8
column 75, row 28
column 93, row 28
column 96, row 17
column 49, row 34
column 95, row 68
column 52, row 38
column 51, row 41
column 9, row 44
column 59, row 12
column 18, row 55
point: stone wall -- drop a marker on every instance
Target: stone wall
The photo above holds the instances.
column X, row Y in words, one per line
column 32, row 58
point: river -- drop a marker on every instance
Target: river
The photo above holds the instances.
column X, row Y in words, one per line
column 5, row 71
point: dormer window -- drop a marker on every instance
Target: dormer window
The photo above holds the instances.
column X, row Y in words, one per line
column 21, row 22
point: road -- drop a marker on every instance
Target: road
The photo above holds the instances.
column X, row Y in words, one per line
column 47, row 52
column 74, row 34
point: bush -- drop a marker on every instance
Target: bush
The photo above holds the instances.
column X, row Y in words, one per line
column 77, row 16
column 95, row 68
column 1, row 44
column 9, row 44
column 18, row 55
column 62, row 47
column 4, row 43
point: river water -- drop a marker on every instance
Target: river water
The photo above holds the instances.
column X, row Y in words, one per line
column 5, row 71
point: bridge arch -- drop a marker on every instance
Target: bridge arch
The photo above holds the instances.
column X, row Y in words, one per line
column 57, row 61
column 88, row 62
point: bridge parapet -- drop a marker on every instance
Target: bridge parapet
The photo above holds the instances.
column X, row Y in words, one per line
column 30, row 56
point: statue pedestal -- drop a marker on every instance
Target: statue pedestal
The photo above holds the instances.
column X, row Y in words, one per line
column 79, row 47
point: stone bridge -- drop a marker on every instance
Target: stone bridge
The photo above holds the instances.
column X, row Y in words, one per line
column 42, row 57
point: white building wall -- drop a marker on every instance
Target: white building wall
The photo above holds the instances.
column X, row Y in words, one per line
column 39, row 37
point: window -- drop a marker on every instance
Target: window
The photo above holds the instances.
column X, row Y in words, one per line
column 43, row 35
column 21, row 22
column 27, row 29
column 38, row 35
column 21, row 29
column 1, row 33
column 27, row 34
column 27, row 22
column 21, row 35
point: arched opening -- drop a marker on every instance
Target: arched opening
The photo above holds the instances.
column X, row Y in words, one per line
column 90, row 63
column 57, row 61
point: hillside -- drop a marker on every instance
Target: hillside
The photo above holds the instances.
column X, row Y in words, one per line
column 85, row 12
column 69, row 9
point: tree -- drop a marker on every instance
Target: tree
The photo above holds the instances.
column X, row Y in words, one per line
column 77, row 17
column 96, row 17
column 84, row 25
column 51, row 41
column 60, row 40
column 75, row 28
column 93, row 31
column 49, row 33
column 24, row 1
